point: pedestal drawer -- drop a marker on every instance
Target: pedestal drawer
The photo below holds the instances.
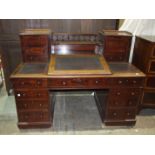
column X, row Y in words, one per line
column 32, row 104
column 31, row 94
column 34, row 116
column 121, row 113
column 126, row 102
column 131, row 82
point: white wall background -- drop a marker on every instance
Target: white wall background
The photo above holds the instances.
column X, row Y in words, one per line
column 138, row 27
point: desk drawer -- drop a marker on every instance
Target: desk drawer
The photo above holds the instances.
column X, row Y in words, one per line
column 125, row 93
column 38, row 40
column 131, row 82
column 32, row 104
column 42, row 51
column 34, row 116
column 121, row 113
column 29, row 83
column 79, row 83
column 31, row 94
column 125, row 102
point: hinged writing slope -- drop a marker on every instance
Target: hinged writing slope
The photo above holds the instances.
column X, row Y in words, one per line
column 78, row 65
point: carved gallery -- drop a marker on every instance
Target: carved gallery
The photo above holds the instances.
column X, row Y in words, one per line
column 89, row 76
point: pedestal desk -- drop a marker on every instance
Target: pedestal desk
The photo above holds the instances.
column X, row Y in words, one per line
column 117, row 88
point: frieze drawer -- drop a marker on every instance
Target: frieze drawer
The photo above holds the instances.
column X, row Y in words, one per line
column 78, row 83
column 29, row 83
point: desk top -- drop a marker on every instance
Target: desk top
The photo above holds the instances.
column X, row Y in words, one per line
column 76, row 66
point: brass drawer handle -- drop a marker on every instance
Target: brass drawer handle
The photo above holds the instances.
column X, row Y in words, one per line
column 18, row 95
column 23, row 83
column 118, row 93
column 38, row 94
column 96, row 81
column 114, row 114
column 38, row 82
column 134, row 82
column 132, row 93
column 120, row 82
column 130, row 103
column 64, row 83
column 116, row 103
column 25, row 105
column 40, row 105
column 24, row 94
column 128, row 113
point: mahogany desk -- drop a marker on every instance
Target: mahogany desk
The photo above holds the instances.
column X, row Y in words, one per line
column 117, row 88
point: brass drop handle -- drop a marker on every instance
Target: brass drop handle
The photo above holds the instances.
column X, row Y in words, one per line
column 134, row 82
column 25, row 105
column 40, row 105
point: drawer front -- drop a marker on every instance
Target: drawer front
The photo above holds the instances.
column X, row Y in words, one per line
column 125, row 102
column 120, row 94
column 121, row 113
column 115, row 56
column 78, row 83
column 117, row 44
column 31, row 94
column 36, row 51
column 34, row 116
column 29, row 83
column 39, row 40
column 32, row 104
column 131, row 82
column 130, row 113
column 115, row 114
column 150, row 82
